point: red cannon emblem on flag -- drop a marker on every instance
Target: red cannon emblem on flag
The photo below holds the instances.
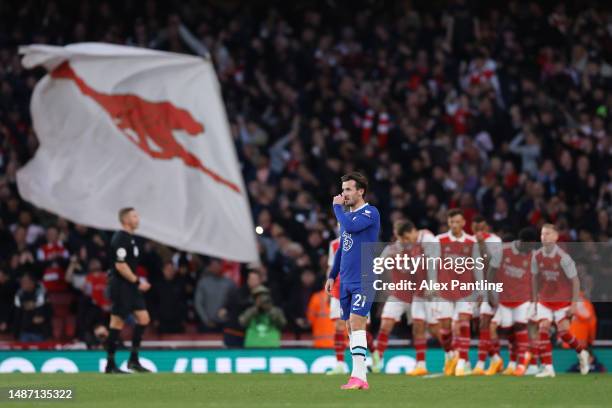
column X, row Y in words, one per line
column 144, row 123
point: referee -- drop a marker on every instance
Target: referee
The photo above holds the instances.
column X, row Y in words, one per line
column 126, row 292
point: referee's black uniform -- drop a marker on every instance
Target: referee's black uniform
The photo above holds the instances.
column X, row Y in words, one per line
column 126, row 298
column 124, row 295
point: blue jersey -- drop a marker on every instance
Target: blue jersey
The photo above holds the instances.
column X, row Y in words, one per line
column 356, row 228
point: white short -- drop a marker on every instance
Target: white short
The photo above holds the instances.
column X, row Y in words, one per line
column 448, row 309
column 334, row 308
column 424, row 310
column 511, row 315
column 395, row 308
column 546, row 313
column 486, row 309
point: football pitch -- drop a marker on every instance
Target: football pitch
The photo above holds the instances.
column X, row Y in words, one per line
column 295, row 390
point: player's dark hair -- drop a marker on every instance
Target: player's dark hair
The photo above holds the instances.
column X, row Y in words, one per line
column 527, row 239
column 361, row 182
column 528, row 235
column 478, row 219
column 403, row 226
column 453, row 212
column 123, row 212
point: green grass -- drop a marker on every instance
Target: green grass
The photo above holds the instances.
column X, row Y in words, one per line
column 293, row 390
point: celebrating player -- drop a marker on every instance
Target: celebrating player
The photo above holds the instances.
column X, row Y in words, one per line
column 490, row 247
column 423, row 309
column 556, row 285
column 359, row 226
column 456, row 304
column 125, row 289
column 515, row 304
column 408, row 242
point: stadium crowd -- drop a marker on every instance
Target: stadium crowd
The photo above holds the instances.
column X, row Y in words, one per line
column 499, row 109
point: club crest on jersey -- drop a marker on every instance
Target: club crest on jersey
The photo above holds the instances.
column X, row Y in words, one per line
column 347, row 242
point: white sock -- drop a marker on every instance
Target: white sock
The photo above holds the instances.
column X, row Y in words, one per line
column 461, row 364
column 496, row 357
column 512, row 365
column 480, row 364
column 359, row 347
column 421, row 364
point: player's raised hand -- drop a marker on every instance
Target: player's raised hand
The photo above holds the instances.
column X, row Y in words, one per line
column 338, row 199
column 328, row 286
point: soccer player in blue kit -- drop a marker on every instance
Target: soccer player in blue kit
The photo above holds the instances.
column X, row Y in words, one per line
column 358, row 226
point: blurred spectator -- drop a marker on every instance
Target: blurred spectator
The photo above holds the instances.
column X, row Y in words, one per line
column 299, row 299
column 323, row 328
column 53, row 257
column 238, row 301
column 263, row 321
column 32, row 231
column 32, row 313
column 97, row 305
column 7, row 301
column 93, row 304
column 170, row 307
column 211, row 297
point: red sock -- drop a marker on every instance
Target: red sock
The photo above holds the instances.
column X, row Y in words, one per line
column 446, row 339
column 339, row 344
column 545, row 347
column 370, row 340
column 569, row 338
column 484, row 344
column 494, row 348
column 534, row 347
column 420, row 345
column 366, row 127
column 464, row 339
column 522, row 344
column 381, row 342
column 512, row 346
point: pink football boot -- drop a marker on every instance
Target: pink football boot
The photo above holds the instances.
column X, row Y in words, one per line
column 355, row 383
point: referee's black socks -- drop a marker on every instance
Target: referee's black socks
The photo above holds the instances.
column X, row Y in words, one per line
column 136, row 338
column 111, row 346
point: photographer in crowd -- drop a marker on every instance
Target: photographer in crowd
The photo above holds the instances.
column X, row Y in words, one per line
column 263, row 321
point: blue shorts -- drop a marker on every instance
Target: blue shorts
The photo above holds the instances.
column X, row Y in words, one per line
column 353, row 299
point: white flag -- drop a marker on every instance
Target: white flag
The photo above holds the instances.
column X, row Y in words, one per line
column 129, row 127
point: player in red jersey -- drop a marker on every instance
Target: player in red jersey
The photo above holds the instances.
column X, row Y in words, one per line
column 490, row 247
column 514, row 302
column 334, row 314
column 556, row 285
column 456, row 304
column 409, row 241
column 423, row 309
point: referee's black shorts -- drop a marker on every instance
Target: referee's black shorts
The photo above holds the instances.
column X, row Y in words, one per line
column 125, row 297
